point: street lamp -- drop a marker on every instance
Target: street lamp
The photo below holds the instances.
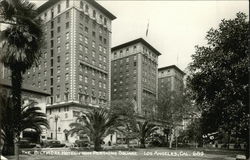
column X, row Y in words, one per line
column 56, row 120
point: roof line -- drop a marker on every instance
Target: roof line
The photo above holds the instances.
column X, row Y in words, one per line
column 172, row 66
column 49, row 3
column 134, row 42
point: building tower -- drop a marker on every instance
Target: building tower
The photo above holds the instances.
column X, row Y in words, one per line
column 75, row 64
column 134, row 73
column 171, row 77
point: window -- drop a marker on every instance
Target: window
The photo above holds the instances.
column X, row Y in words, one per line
column 81, row 5
column 66, row 76
column 86, row 40
column 51, row 62
column 67, row 25
column 93, row 62
column 93, row 44
column 58, row 49
column 58, row 59
column 93, row 53
column 94, row 13
column 80, row 78
column 67, row 56
column 86, row 8
column 86, row 79
column 45, row 16
column 135, row 56
column 104, row 50
column 52, row 13
column 81, row 26
column 67, row 35
column 86, row 30
column 51, row 43
column 80, row 37
column 105, row 41
column 93, row 82
column 58, row 79
column 81, row 47
column 58, row 69
column 100, row 48
column 58, row 29
column 100, row 38
column 93, row 34
column 105, row 21
column 104, row 59
column 100, row 84
column 100, row 18
column 67, row 3
column 100, row 57
column 127, row 59
column 58, row 39
column 67, row 15
column 86, row 50
column 45, row 64
column 58, row 19
column 67, row 45
column 52, row 24
column 81, row 16
column 51, row 34
column 104, row 85
column 58, row 8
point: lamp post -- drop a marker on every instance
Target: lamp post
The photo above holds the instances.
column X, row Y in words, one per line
column 56, row 120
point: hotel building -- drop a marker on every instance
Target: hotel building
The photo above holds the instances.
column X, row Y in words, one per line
column 75, row 63
column 171, row 77
column 134, row 73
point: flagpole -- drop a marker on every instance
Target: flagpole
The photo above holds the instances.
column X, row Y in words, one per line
column 147, row 29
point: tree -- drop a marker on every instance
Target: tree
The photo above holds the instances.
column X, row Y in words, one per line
column 145, row 129
column 96, row 124
column 20, row 47
column 194, row 131
column 31, row 118
column 126, row 110
column 149, row 108
column 173, row 105
column 219, row 78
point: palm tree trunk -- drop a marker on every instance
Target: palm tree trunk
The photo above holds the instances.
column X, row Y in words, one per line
column 127, row 141
column 97, row 145
column 142, row 140
column 16, row 81
column 8, row 146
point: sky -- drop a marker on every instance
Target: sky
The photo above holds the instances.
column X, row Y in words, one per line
column 174, row 27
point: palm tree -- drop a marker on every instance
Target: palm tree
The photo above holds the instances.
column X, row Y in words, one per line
column 31, row 118
column 145, row 129
column 96, row 124
column 20, row 47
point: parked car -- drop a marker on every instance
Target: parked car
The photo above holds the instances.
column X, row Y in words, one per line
column 24, row 143
column 82, row 143
column 53, row 143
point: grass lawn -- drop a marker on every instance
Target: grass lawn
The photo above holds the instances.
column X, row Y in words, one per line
column 138, row 154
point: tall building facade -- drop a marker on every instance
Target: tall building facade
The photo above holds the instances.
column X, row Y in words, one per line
column 75, row 63
column 134, row 73
column 171, row 78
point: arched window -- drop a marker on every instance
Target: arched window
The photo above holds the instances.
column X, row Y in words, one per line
column 86, row 8
column 81, row 5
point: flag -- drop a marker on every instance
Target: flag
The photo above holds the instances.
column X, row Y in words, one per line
column 147, row 30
